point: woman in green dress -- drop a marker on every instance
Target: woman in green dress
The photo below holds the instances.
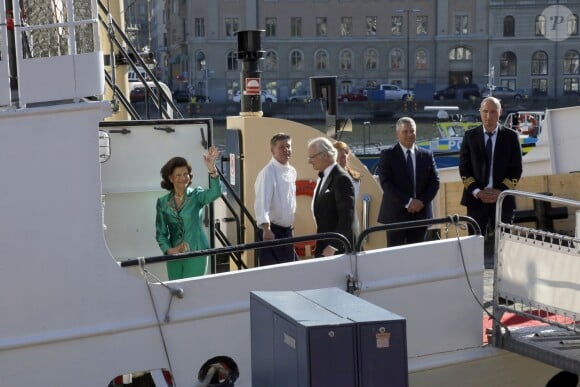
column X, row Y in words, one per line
column 178, row 221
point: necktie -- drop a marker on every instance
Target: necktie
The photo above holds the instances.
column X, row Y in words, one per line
column 488, row 156
column 321, row 176
column 410, row 169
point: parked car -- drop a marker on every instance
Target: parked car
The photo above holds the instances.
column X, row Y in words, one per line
column 181, row 96
column 502, row 92
column 265, row 96
column 353, row 96
column 301, row 96
column 462, row 91
column 138, row 94
column 394, row 92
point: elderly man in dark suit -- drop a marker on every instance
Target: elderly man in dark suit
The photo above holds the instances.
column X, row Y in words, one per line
column 409, row 179
column 490, row 161
column 333, row 201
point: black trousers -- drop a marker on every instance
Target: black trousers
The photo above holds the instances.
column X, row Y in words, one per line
column 406, row 236
column 484, row 214
column 279, row 254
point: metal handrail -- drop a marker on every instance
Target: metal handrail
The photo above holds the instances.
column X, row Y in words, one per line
column 416, row 223
column 246, row 246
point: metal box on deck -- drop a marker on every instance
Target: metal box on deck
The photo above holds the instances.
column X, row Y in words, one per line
column 325, row 337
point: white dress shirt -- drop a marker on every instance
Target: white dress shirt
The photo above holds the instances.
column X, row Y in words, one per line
column 275, row 189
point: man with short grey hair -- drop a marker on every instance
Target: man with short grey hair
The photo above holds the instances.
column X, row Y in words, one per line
column 333, row 204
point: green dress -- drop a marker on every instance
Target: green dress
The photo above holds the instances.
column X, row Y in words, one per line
column 174, row 226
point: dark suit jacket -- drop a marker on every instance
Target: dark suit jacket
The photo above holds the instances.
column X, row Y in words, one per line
column 333, row 208
column 398, row 189
column 507, row 163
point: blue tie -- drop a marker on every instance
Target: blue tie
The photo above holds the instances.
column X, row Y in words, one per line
column 410, row 169
column 488, row 156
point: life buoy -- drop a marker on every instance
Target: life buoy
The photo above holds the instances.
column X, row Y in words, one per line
column 527, row 124
column 306, row 188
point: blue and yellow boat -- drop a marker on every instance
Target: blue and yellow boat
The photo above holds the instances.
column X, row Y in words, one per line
column 445, row 148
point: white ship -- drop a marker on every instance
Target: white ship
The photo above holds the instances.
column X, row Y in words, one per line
column 77, row 211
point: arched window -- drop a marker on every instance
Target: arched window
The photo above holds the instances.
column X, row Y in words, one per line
column 271, row 61
column 509, row 26
column 508, row 64
column 572, row 24
column 539, row 63
column 540, row 25
column 421, row 59
column 571, row 62
column 396, row 59
column 460, row 53
column 232, row 59
column 321, row 59
column 296, row 62
column 371, row 58
column 345, row 59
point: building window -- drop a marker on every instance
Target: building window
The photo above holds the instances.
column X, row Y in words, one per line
column 271, row 26
column 396, row 59
column 199, row 26
column 371, row 58
column 345, row 26
column 540, row 28
column 271, row 61
column 507, row 64
column 232, row 25
column 509, row 26
column 320, row 26
column 296, row 26
column 572, row 24
column 459, row 53
column 371, row 25
column 571, row 62
column 461, row 24
column 345, row 59
column 296, row 62
column 321, row 60
column 421, row 25
column 540, row 86
column 571, row 85
column 421, row 59
column 510, row 83
column 232, row 59
column 539, row 63
column 396, row 25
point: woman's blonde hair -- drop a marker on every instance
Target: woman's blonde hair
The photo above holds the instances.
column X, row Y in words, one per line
column 343, row 146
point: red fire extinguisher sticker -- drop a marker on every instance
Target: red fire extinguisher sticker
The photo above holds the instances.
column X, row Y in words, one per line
column 252, row 86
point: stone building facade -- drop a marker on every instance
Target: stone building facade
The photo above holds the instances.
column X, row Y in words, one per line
column 422, row 44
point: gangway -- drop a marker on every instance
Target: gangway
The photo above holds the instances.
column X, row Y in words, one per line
column 536, row 278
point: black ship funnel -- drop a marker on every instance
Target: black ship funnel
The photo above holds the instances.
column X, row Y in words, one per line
column 250, row 53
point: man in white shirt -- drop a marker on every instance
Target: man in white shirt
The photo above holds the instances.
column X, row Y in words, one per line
column 275, row 203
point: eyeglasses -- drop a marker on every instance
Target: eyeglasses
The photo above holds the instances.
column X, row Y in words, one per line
column 314, row 156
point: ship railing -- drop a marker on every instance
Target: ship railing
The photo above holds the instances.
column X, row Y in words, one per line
column 451, row 219
column 128, row 55
column 241, row 247
column 343, row 240
column 38, row 44
column 536, row 279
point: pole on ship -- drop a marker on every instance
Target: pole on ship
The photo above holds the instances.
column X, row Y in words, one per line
column 250, row 53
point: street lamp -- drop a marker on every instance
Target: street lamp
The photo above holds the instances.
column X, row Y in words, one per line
column 205, row 79
column 408, row 12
